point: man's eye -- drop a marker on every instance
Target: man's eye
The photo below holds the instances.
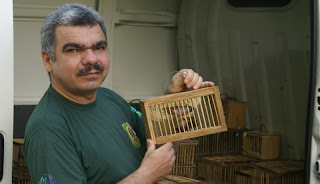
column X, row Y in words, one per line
column 72, row 50
column 100, row 47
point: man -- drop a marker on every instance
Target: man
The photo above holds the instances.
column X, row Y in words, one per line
column 79, row 132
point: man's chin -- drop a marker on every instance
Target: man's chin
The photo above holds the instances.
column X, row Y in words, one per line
column 89, row 88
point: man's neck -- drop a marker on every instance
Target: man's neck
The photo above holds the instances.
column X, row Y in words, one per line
column 83, row 98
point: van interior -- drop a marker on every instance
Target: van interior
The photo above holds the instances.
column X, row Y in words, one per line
column 258, row 52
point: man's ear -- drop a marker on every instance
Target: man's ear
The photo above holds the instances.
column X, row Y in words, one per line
column 47, row 61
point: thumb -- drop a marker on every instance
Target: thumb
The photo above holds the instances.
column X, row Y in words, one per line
column 179, row 77
column 150, row 145
column 177, row 82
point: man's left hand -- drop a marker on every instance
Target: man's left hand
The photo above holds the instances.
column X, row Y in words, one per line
column 187, row 79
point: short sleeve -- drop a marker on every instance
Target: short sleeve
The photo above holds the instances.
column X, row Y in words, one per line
column 51, row 156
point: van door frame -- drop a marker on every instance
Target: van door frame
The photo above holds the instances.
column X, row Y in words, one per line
column 312, row 146
column 6, row 80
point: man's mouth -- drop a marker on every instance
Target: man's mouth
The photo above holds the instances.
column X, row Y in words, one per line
column 88, row 70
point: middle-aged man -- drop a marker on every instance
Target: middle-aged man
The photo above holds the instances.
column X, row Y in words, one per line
column 80, row 132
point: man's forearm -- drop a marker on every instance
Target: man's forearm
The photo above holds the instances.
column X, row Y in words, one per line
column 138, row 177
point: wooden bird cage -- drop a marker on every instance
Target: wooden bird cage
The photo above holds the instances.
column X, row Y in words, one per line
column 184, row 164
column 183, row 115
column 223, row 143
column 278, row 172
column 20, row 174
column 222, row 169
column 261, row 145
column 17, row 151
column 244, row 176
column 235, row 113
column 172, row 179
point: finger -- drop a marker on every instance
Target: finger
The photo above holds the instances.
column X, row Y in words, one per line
column 172, row 152
column 198, row 83
column 207, row 84
column 179, row 76
column 173, row 159
column 184, row 74
column 178, row 79
column 150, row 145
column 166, row 147
column 188, row 75
column 194, row 81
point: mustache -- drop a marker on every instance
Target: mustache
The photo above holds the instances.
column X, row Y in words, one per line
column 87, row 69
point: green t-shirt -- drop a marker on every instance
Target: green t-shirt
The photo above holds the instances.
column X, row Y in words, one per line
column 100, row 142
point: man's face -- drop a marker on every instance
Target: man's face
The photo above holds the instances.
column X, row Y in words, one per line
column 79, row 48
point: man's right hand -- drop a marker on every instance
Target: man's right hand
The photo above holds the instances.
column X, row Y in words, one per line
column 158, row 162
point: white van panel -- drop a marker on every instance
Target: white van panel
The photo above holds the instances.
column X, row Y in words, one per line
column 260, row 56
column 6, row 81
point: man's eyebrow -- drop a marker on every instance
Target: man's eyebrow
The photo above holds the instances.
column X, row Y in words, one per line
column 74, row 45
column 102, row 42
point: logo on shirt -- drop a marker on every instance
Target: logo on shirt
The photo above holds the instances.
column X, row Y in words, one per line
column 46, row 179
column 136, row 111
column 132, row 134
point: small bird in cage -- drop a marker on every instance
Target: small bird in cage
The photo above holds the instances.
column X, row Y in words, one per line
column 186, row 124
column 180, row 111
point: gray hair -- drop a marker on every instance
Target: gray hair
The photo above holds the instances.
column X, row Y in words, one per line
column 68, row 14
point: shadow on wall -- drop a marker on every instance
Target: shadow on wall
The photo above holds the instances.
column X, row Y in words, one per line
column 20, row 119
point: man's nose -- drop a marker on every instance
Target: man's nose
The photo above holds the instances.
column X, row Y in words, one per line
column 89, row 57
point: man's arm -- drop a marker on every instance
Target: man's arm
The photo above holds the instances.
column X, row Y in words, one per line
column 51, row 156
column 156, row 164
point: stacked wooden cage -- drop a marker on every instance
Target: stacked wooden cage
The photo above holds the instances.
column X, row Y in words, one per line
column 172, row 179
column 222, row 169
column 183, row 115
column 278, row 172
column 20, row 174
column 17, row 151
column 230, row 141
column 261, row 145
column 223, row 143
column 244, row 176
column 235, row 113
column 184, row 164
